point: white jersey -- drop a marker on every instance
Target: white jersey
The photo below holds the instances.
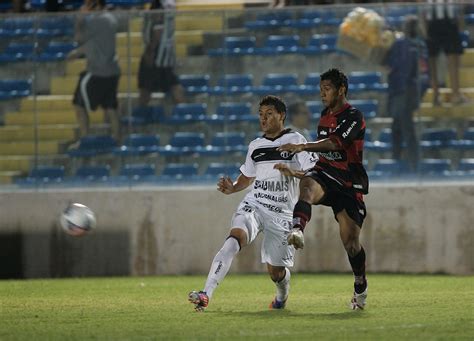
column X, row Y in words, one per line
column 272, row 191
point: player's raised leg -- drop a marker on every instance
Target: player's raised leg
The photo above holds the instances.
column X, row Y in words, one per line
column 349, row 231
column 219, row 268
column 281, row 276
column 311, row 192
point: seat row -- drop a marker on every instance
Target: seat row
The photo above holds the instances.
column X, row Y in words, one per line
column 129, row 173
column 180, row 144
column 19, row 52
column 430, row 140
column 232, row 84
column 14, row 88
column 135, row 173
column 226, row 113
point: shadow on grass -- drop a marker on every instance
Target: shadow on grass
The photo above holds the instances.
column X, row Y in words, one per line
column 272, row 314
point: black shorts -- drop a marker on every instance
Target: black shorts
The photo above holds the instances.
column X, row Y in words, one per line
column 156, row 79
column 340, row 198
column 94, row 91
column 443, row 35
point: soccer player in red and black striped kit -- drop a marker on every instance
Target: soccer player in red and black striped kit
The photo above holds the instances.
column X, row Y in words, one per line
column 338, row 179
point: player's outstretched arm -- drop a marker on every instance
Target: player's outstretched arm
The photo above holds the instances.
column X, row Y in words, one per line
column 324, row 145
column 226, row 186
column 287, row 171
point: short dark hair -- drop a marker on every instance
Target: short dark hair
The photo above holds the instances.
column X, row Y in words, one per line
column 276, row 101
column 337, row 77
column 101, row 3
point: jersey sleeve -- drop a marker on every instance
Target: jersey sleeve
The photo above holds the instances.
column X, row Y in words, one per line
column 248, row 168
column 348, row 129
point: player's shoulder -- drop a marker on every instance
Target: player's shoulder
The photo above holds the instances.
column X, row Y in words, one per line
column 353, row 112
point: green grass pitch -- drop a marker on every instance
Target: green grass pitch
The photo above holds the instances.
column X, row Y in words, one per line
column 400, row 307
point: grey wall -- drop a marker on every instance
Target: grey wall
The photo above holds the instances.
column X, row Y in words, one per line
column 178, row 231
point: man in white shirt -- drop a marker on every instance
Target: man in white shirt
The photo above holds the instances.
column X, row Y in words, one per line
column 267, row 208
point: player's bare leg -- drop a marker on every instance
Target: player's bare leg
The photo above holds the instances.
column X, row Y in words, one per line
column 112, row 116
column 281, row 276
column 311, row 192
column 219, row 268
column 349, row 232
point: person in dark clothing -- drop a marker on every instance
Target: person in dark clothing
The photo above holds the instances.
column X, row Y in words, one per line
column 405, row 90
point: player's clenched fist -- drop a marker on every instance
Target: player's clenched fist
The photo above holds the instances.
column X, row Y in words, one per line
column 292, row 148
column 225, row 185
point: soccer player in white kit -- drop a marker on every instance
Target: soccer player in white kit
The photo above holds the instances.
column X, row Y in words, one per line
column 267, row 207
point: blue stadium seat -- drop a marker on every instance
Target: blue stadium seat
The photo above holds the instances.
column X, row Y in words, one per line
column 17, row 52
column 183, row 143
column 308, row 20
column 13, row 88
column 279, row 44
column 435, row 167
column 369, row 107
column 43, row 175
column 179, row 171
column 93, row 145
column 144, row 115
column 366, row 81
column 315, row 107
column 383, row 143
column 92, row 173
column 389, row 168
column 235, row 46
column 54, row 27
column 16, row 27
column 138, row 144
column 223, row 143
column 321, row 43
column 233, row 84
column 195, row 84
column 55, row 50
column 278, row 83
column 466, row 143
column 187, row 113
column 465, row 169
column 269, row 20
column 437, row 138
column 139, row 172
column 217, row 169
column 235, row 112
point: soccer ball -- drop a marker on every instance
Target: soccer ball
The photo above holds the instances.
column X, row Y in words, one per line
column 77, row 220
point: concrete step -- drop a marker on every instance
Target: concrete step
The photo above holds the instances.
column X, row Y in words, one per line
column 19, row 163
column 464, row 111
column 51, row 117
column 67, row 85
column 48, row 102
column 9, row 176
column 191, row 22
column 467, row 58
column 446, row 93
column 45, row 132
column 29, row 148
column 466, row 77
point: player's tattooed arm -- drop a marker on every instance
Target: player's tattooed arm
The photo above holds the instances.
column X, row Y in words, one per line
column 226, row 186
column 287, row 171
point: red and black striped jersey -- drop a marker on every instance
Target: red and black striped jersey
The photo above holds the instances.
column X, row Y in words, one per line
column 346, row 128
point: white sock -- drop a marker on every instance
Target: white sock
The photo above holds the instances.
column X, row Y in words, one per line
column 283, row 287
column 221, row 265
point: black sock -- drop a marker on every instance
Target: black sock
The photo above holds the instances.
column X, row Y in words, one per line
column 301, row 214
column 358, row 268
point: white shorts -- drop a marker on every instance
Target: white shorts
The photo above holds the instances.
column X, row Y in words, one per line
column 253, row 219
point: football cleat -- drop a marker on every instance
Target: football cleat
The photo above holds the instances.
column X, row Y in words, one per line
column 277, row 304
column 358, row 300
column 199, row 299
column 296, row 238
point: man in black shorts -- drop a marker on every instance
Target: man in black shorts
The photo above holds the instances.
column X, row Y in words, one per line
column 443, row 22
column 97, row 86
column 156, row 72
column 338, row 179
